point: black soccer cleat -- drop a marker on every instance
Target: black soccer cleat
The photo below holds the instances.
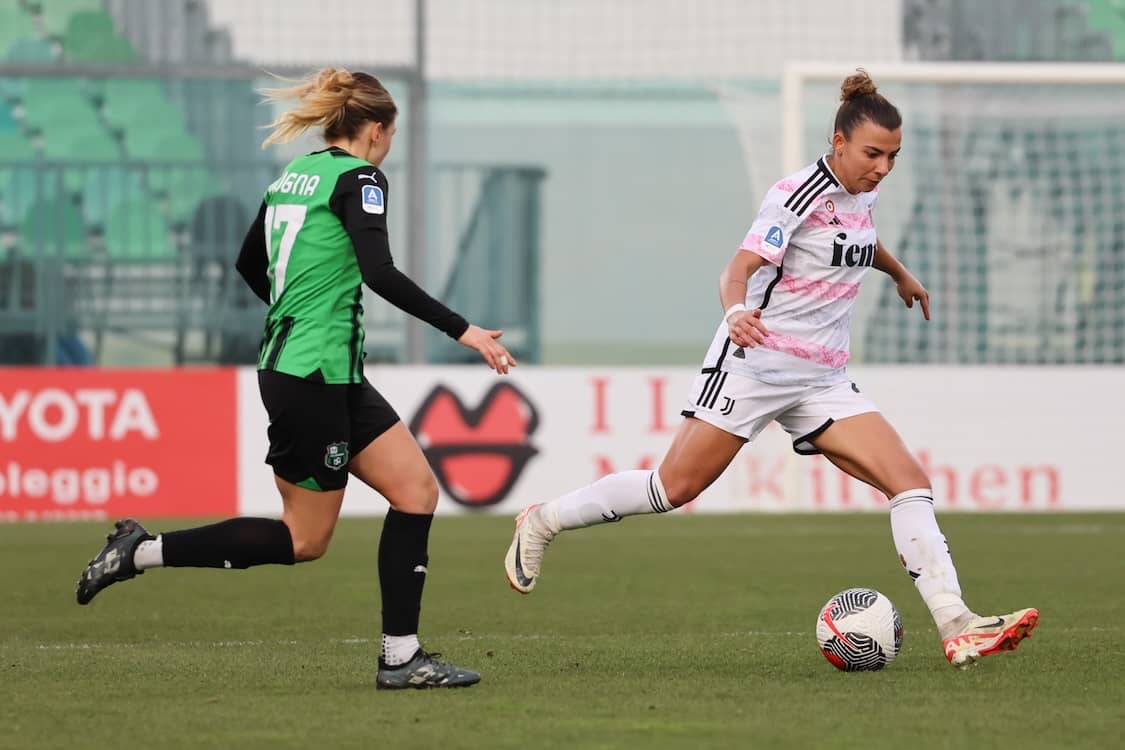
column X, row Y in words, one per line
column 115, row 562
column 423, row 671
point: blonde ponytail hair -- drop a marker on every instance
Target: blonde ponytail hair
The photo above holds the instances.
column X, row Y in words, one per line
column 334, row 99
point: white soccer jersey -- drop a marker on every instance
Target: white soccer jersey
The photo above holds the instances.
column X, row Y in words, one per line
column 819, row 240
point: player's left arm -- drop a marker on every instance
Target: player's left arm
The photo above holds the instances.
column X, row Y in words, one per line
column 363, row 215
column 909, row 288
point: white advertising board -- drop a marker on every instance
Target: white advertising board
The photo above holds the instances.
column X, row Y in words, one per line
column 991, row 439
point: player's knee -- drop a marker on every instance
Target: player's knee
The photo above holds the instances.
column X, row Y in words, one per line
column 680, row 490
column 420, row 495
column 309, row 547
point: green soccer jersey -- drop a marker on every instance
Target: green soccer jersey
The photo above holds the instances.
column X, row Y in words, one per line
column 314, row 327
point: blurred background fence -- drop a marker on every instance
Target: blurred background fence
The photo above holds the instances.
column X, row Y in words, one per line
column 566, row 170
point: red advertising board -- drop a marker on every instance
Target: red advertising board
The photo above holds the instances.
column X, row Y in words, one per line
column 78, row 443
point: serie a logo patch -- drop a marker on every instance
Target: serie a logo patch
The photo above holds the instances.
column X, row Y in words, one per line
column 775, row 237
column 372, row 196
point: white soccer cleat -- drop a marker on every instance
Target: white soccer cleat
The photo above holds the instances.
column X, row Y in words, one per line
column 983, row 636
column 525, row 555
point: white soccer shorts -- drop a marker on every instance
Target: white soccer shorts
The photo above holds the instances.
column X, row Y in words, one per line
column 744, row 406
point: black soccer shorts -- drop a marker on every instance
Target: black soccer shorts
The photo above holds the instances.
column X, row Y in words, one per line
column 316, row 428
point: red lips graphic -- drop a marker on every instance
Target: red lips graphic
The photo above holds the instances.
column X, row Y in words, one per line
column 476, row 454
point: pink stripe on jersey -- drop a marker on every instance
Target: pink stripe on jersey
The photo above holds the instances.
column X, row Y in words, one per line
column 823, row 290
column 788, row 186
column 845, row 221
column 755, row 244
column 822, row 355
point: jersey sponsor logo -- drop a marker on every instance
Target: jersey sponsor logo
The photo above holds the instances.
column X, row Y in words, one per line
column 851, row 255
column 336, row 455
column 372, row 196
column 295, row 183
column 477, row 453
column 371, row 177
column 775, row 237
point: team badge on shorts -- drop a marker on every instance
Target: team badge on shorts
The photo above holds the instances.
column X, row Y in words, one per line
column 336, row 456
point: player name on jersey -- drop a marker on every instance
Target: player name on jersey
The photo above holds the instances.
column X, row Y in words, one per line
column 295, row 183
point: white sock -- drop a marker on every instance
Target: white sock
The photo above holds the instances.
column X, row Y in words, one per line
column 611, row 498
column 925, row 555
column 149, row 554
column 399, row 649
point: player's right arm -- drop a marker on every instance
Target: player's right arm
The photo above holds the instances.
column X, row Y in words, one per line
column 779, row 216
column 746, row 327
column 253, row 260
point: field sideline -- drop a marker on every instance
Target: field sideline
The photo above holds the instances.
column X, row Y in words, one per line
column 686, row 632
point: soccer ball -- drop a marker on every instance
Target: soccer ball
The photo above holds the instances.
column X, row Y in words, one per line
column 859, row 630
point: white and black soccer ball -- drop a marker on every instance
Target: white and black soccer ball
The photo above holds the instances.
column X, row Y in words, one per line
column 859, row 630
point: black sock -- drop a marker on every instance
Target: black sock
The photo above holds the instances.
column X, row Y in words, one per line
column 235, row 543
column 402, row 569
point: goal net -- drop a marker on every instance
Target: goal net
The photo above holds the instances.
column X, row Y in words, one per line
column 1008, row 202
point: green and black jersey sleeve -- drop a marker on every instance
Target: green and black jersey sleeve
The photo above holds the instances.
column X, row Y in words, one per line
column 321, row 233
column 254, row 260
column 357, row 204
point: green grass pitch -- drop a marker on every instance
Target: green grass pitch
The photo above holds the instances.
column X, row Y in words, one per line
column 686, row 632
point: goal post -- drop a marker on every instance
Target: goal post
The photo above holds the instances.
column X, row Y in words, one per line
column 797, row 75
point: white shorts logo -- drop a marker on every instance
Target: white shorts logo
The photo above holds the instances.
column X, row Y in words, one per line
column 373, row 199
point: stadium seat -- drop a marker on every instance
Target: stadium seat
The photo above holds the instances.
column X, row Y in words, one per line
column 129, row 103
column 187, row 189
column 31, row 51
column 57, row 14
column 1109, row 16
column 136, row 232
column 177, row 149
column 153, row 125
column 15, row 26
column 90, row 37
column 83, row 146
column 163, row 144
column 104, row 188
column 19, row 190
column 12, row 89
column 58, row 102
column 20, row 180
column 15, row 146
column 8, row 121
column 53, row 229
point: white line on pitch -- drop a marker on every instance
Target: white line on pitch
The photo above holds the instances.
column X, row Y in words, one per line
column 359, row 641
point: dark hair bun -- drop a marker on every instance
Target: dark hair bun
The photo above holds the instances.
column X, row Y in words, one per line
column 856, row 85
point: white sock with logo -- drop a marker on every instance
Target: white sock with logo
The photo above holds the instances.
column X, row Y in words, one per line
column 149, row 554
column 399, row 649
column 611, row 498
column 923, row 551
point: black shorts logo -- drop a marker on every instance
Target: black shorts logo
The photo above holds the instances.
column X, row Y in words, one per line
column 336, row 455
column 477, row 454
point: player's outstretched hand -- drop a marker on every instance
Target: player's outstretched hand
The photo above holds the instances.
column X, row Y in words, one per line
column 910, row 289
column 485, row 341
column 747, row 328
